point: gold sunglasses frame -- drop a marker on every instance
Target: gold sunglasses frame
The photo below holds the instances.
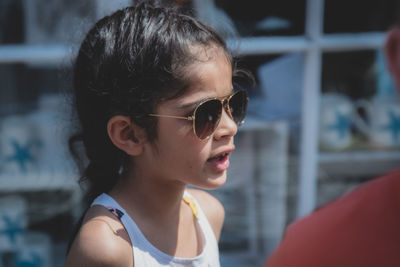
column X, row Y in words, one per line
column 224, row 104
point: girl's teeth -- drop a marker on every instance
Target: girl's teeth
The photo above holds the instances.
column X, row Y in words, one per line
column 221, row 157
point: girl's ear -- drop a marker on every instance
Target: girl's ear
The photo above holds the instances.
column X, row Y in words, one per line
column 126, row 135
column 392, row 53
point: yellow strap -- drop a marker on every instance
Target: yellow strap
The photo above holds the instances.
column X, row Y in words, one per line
column 192, row 205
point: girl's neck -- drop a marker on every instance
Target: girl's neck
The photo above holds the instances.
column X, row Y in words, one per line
column 157, row 207
column 148, row 197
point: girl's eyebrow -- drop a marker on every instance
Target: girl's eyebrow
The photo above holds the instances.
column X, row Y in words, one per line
column 191, row 104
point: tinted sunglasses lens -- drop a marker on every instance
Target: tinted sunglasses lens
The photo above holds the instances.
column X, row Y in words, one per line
column 238, row 106
column 207, row 117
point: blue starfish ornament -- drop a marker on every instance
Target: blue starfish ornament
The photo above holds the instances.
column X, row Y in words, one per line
column 33, row 261
column 12, row 228
column 393, row 126
column 22, row 154
column 341, row 124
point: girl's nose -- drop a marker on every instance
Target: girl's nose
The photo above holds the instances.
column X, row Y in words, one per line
column 226, row 127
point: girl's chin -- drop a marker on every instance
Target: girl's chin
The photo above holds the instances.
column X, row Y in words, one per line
column 216, row 181
column 209, row 180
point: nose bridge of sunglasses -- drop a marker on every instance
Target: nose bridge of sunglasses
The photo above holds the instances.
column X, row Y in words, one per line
column 225, row 104
column 227, row 110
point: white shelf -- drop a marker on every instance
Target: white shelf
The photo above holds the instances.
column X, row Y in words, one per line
column 37, row 182
column 351, row 41
column 358, row 163
column 21, row 53
column 359, row 156
column 269, row 45
column 326, row 43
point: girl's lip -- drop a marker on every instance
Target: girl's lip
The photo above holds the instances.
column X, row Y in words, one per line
column 221, row 160
column 221, row 163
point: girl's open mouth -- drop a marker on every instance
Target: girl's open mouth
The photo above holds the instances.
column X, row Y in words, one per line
column 220, row 162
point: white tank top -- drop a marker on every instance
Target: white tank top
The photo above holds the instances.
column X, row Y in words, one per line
column 145, row 254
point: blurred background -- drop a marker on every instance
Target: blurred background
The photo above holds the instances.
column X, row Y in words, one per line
column 323, row 117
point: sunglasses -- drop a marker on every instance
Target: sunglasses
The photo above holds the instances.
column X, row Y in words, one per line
column 207, row 114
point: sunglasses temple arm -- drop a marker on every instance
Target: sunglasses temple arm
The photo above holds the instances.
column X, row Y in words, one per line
column 189, row 118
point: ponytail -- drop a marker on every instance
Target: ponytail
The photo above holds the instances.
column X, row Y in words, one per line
column 104, row 162
column 102, row 172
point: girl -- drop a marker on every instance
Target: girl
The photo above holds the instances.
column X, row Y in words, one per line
column 155, row 100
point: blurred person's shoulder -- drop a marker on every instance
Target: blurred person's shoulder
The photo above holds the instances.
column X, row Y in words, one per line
column 382, row 190
column 350, row 226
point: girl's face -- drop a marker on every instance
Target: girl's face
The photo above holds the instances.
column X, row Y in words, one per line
column 178, row 154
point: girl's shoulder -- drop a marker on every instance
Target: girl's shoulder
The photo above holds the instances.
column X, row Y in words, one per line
column 212, row 208
column 101, row 241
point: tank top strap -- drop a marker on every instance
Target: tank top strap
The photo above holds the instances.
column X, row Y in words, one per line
column 190, row 201
column 110, row 204
column 202, row 219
